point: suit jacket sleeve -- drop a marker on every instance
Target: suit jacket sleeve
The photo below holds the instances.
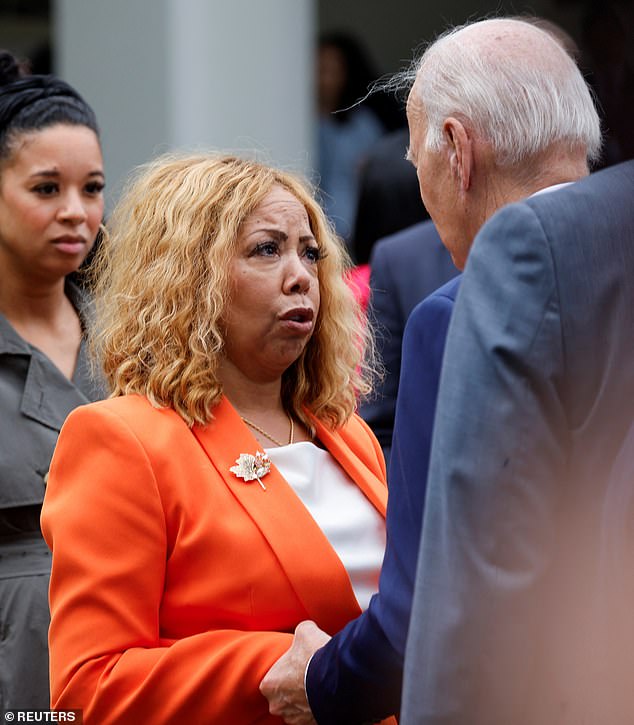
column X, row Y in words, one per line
column 104, row 505
column 498, row 450
column 357, row 676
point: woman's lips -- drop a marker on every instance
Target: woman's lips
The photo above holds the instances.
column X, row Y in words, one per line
column 70, row 245
column 299, row 319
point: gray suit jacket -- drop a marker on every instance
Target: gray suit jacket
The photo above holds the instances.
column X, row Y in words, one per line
column 519, row 612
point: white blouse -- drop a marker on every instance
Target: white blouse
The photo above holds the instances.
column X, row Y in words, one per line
column 354, row 528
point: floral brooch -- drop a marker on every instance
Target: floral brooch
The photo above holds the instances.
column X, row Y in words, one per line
column 252, row 468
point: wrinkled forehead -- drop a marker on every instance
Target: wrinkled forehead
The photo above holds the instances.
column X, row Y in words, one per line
column 278, row 207
column 280, row 200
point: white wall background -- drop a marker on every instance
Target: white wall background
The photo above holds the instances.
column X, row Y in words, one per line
column 174, row 74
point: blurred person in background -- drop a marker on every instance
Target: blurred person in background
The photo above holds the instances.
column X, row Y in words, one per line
column 607, row 53
column 405, row 267
column 347, row 129
column 51, row 206
column 388, row 200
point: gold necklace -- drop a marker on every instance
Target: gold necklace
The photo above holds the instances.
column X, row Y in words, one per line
column 270, row 437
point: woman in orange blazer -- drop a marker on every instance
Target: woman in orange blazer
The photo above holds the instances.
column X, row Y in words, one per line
column 226, row 491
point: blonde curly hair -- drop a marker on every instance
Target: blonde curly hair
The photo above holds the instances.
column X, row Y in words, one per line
column 161, row 284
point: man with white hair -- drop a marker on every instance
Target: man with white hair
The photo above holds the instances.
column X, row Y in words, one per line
column 522, row 611
column 498, row 112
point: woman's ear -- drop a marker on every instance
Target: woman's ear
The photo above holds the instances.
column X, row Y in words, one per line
column 460, row 148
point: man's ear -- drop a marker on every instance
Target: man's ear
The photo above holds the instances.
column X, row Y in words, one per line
column 460, row 148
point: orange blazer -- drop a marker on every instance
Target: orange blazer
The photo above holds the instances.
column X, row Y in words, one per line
column 176, row 585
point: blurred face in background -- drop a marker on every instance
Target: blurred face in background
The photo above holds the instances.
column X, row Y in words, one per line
column 331, row 77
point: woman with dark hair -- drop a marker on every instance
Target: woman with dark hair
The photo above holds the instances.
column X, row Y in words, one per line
column 51, row 206
column 347, row 130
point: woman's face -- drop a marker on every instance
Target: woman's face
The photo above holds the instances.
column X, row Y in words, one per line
column 331, row 77
column 274, row 302
column 51, row 201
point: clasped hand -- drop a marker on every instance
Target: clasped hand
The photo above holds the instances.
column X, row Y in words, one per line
column 283, row 684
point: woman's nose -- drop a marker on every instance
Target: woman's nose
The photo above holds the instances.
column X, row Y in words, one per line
column 72, row 208
column 297, row 277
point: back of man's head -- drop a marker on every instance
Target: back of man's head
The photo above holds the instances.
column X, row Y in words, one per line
column 514, row 85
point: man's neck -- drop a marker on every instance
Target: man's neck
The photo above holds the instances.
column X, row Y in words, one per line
column 514, row 184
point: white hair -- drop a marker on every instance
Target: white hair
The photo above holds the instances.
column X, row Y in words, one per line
column 522, row 102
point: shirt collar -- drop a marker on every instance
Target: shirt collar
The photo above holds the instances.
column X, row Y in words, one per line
column 554, row 187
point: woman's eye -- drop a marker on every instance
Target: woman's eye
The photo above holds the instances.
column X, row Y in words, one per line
column 266, row 249
column 46, row 189
column 94, row 188
column 313, row 254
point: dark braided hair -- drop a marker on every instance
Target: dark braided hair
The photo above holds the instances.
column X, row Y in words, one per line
column 33, row 102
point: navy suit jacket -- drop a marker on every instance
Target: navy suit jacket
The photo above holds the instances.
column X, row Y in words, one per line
column 404, row 268
column 517, row 616
column 357, row 676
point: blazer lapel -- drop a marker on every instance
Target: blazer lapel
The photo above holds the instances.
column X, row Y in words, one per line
column 302, row 550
